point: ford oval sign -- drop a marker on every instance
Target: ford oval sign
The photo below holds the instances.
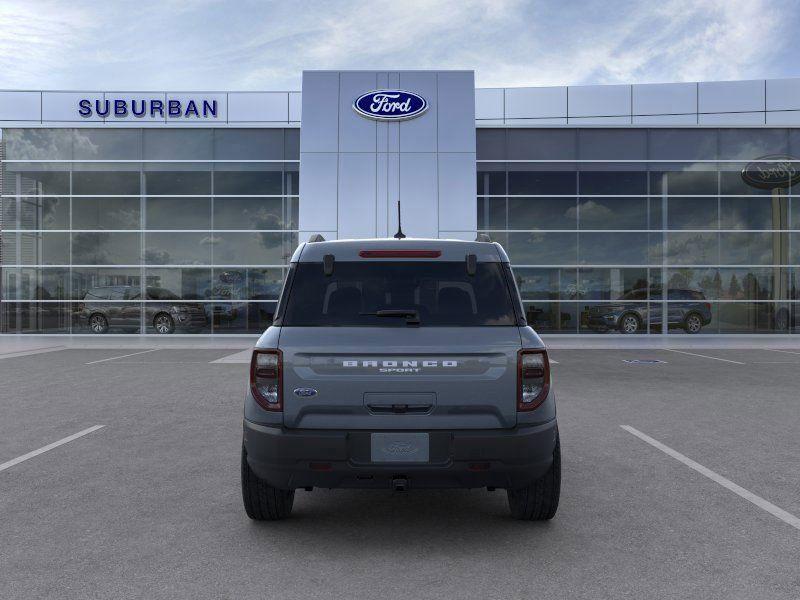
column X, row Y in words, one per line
column 390, row 105
column 770, row 172
column 305, row 392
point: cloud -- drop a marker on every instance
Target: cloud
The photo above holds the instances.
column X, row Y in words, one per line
column 265, row 45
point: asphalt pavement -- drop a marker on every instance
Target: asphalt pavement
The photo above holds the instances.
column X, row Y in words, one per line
column 149, row 506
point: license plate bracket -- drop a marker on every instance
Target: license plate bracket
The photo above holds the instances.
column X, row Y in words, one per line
column 400, row 447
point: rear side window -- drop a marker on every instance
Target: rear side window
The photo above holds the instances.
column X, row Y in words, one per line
column 98, row 294
column 439, row 293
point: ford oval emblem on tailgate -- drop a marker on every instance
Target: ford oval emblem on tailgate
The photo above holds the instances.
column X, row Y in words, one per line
column 305, row 392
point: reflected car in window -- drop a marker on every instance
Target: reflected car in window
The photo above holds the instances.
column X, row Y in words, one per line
column 687, row 309
column 110, row 307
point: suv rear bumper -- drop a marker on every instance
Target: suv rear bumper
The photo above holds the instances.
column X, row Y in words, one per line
column 298, row 458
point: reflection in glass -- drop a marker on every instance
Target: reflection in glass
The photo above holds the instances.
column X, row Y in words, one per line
column 110, row 182
column 105, row 213
column 35, row 284
column 612, row 283
column 613, row 213
column 86, row 279
column 619, row 317
column 249, row 182
column 35, row 317
column 249, row 213
column 253, row 248
column 179, row 248
column 186, row 283
column 39, row 213
column 252, row 317
column 178, row 183
column 540, row 248
column 704, row 280
column 692, row 248
column 750, row 317
column 178, row 213
column 492, row 213
column 761, row 212
column 248, row 144
column 546, row 317
column 614, row 248
column 105, row 248
column 107, row 144
column 491, row 182
column 753, row 248
column 521, row 182
column 547, row 284
column 541, row 213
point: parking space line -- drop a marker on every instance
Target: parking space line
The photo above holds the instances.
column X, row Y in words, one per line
column 243, row 357
column 94, row 362
column 43, row 449
column 760, row 502
column 784, row 351
column 736, row 362
column 18, row 353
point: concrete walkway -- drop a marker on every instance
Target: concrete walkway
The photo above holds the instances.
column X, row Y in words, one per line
column 25, row 343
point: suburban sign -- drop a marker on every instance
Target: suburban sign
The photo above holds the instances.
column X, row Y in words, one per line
column 390, row 105
column 770, row 172
column 148, row 107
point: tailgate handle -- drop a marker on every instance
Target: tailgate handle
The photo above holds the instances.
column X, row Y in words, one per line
column 399, row 409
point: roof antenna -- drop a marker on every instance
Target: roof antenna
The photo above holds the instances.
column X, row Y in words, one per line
column 399, row 235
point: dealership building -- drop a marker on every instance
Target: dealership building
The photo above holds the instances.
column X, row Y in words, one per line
column 146, row 213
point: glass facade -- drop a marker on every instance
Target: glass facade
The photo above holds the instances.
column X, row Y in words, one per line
column 145, row 230
column 186, row 230
column 598, row 222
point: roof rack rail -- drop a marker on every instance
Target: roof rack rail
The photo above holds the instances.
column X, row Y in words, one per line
column 316, row 238
column 482, row 237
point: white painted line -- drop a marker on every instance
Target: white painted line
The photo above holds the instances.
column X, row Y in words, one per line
column 784, row 351
column 554, row 362
column 94, row 362
column 43, row 449
column 716, row 477
column 241, row 357
column 31, row 352
column 736, row 362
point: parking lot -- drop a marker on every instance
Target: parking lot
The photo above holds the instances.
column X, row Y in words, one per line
column 681, row 479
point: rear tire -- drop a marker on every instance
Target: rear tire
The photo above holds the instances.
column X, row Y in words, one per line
column 163, row 323
column 98, row 323
column 539, row 501
column 262, row 502
column 693, row 323
column 629, row 323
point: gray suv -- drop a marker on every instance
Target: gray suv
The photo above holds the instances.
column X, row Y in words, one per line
column 687, row 309
column 107, row 307
column 400, row 364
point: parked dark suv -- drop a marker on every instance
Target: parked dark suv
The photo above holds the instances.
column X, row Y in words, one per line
column 103, row 308
column 634, row 312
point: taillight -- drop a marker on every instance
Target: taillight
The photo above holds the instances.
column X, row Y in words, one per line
column 266, row 378
column 533, row 378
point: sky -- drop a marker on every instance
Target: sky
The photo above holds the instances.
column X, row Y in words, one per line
column 262, row 45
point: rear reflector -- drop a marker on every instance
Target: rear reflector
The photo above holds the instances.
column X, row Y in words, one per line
column 400, row 253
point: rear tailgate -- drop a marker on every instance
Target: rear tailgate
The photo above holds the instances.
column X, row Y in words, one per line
column 399, row 378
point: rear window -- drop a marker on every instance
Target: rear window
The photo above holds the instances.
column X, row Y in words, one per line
column 439, row 293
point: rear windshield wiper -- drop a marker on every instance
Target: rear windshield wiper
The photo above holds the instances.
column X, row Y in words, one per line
column 411, row 315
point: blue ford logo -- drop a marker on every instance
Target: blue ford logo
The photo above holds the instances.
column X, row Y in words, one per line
column 305, row 392
column 390, row 105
